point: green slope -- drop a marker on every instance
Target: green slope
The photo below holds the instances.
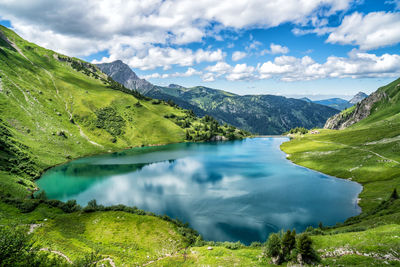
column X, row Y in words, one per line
column 367, row 152
column 261, row 114
column 54, row 108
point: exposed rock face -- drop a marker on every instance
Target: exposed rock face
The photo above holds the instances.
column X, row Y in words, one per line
column 218, row 138
column 177, row 86
column 123, row 74
column 361, row 111
column 358, row 98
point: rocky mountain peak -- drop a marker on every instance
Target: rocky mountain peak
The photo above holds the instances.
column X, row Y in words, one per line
column 123, row 74
column 361, row 111
column 177, row 86
column 358, row 98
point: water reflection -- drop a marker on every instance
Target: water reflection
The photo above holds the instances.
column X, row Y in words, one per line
column 231, row 191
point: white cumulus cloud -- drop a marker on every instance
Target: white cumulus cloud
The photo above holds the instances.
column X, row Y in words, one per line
column 356, row 65
column 148, row 34
column 374, row 30
column 276, row 49
column 241, row 72
column 238, row 55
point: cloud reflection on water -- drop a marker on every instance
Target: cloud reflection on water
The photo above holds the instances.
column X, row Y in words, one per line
column 220, row 195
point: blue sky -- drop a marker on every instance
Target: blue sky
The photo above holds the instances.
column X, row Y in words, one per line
column 315, row 48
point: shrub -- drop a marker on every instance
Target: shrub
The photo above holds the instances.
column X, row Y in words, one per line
column 41, row 195
column 256, row 244
column 16, row 249
column 233, row 246
column 27, row 205
column 92, row 206
column 304, row 248
column 394, row 194
column 109, row 120
column 273, row 246
column 288, row 243
column 70, row 206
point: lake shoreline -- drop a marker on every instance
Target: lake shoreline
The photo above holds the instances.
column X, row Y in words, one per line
column 345, row 179
column 272, row 167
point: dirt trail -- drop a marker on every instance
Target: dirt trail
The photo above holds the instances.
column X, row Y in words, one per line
column 112, row 263
column 161, row 258
column 361, row 149
column 69, row 112
column 33, row 226
column 58, row 253
column 347, row 251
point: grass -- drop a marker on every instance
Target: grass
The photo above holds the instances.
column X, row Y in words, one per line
column 218, row 256
column 352, row 154
column 129, row 239
column 367, row 152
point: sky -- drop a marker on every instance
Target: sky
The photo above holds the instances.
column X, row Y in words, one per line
column 295, row 48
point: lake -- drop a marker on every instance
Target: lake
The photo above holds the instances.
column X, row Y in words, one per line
column 227, row 191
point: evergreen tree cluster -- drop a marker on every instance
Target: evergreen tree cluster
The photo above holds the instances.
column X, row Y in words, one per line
column 285, row 247
column 109, row 120
column 14, row 157
column 119, row 87
column 87, row 68
column 300, row 130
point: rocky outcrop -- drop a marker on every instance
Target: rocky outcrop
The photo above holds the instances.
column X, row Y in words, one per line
column 358, row 98
column 218, row 138
column 361, row 111
column 176, row 86
column 123, row 74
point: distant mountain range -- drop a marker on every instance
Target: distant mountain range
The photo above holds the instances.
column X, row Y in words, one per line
column 339, row 103
column 261, row 114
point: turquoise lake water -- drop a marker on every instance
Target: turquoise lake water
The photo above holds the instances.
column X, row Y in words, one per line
column 227, row 191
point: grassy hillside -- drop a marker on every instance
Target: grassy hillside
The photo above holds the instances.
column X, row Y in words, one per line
column 261, row 114
column 367, row 152
column 54, row 108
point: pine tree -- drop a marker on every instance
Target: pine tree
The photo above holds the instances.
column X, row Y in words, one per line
column 394, row 194
column 288, row 243
column 304, row 248
column 273, row 245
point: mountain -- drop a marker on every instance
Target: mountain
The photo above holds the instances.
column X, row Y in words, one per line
column 377, row 102
column 121, row 72
column 176, row 86
column 262, row 114
column 358, row 98
column 336, row 103
column 306, row 99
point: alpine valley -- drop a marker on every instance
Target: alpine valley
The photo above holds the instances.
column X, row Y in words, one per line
column 57, row 110
column 260, row 114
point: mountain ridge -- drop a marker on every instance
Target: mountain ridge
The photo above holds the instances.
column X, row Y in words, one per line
column 358, row 98
column 262, row 114
column 370, row 105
